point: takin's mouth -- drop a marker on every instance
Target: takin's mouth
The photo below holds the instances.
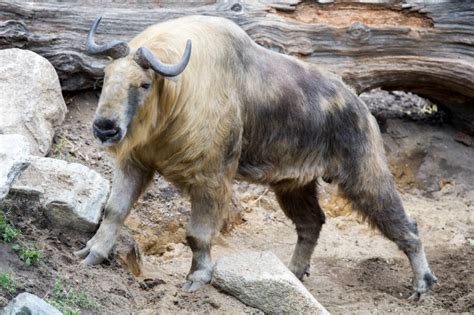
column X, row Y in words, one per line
column 110, row 137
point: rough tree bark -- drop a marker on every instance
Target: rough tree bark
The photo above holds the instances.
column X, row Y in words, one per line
column 426, row 47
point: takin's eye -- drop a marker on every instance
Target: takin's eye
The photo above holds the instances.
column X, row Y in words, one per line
column 145, row 86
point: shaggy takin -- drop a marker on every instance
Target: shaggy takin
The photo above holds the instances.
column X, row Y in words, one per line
column 232, row 109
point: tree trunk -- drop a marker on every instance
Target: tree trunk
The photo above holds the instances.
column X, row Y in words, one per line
column 423, row 47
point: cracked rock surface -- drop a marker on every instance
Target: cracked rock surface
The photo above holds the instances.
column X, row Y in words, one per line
column 71, row 195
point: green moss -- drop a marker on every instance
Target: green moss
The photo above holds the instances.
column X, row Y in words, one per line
column 7, row 282
column 69, row 301
column 30, row 254
column 7, row 232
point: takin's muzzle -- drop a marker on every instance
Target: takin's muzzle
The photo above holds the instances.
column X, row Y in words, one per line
column 107, row 131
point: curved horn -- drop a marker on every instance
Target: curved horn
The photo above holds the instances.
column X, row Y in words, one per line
column 115, row 49
column 146, row 60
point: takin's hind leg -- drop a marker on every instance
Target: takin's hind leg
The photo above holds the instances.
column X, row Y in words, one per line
column 302, row 207
column 386, row 212
column 208, row 204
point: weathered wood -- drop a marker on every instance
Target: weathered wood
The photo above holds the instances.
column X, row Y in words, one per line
column 426, row 47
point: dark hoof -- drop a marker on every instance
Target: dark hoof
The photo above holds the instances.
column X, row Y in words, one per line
column 301, row 273
column 82, row 253
column 191, row 286
column 93, row 259
column 429, row 280
column 197, row 279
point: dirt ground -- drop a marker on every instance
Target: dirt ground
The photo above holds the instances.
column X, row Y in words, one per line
column 354, row 269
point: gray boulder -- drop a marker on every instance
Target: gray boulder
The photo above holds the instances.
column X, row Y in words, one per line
column 31, row 102
column 71, row 195
column 27, row 303
column 261, row 280
column 14, row 156
column 429, row 158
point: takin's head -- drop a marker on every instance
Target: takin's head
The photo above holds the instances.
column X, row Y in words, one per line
column 128, row 83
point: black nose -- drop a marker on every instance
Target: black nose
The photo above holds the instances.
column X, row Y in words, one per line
column 106, row 129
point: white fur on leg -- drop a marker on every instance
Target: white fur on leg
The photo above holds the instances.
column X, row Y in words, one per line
column 127, row 185
column 424, row 278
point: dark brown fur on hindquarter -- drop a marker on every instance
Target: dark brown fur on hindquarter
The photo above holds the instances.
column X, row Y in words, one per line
column 317, row 127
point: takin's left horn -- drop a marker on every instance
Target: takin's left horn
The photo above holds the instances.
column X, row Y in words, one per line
column 115, row 49
column 145, row 59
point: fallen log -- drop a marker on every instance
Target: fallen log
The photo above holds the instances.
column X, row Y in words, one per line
column 426, row 47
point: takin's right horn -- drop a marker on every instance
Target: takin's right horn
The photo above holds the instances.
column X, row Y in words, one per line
column 115, row 49
column 146, row 60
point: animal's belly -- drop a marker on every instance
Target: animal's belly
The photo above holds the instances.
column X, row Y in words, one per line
column 275, row 165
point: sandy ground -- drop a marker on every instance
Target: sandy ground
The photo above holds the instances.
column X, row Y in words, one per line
column 354, row 269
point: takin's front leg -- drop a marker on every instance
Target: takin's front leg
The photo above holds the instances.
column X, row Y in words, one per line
column 128, row 183
column 207, row 207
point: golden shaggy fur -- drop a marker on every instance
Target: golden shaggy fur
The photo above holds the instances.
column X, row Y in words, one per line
column 171, row 132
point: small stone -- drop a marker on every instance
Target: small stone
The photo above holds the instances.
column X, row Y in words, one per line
column 150, row 283
column 463, row 138
column 27, row 303
column 261, row 280
column 3, row 301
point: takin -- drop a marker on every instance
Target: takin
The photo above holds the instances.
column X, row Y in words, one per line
column 233, row 109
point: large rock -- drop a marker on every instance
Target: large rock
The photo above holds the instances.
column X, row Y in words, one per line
column 31, row 103
column 27, row 303
column 261, row 280
column 71, row 195
column 428, row 157
column 14, row 156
